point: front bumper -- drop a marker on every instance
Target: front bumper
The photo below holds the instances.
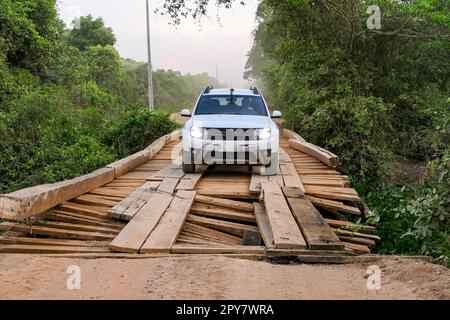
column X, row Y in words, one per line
column 197, row 151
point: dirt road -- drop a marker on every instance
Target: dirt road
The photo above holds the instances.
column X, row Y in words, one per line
column 28, row 277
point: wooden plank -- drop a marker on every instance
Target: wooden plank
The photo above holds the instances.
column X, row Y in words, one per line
column 184, row 249
column 350, row 225
column 52, row 242
column 291, row 177
column 238, row 205
column 74, row 218
column 57, row 233
column 190, row 181
column 137, row 205
column 335, row 196
column 319, row 189
column 123, row 166
column 316, row 152
column 165, row 234
column 33, row 201
column 255, row 182
column 357, row 248
column 225, row 226
column 278, row 179
column 205, row 210
column 332, row 204
column 264, row 224
column 208, row 238
column 141, row 192
column 356, row 240
column 35, row 249
column 291, row 192
column 96, row 201
column 168, row 185
column 165, row 172
column 292, row 135
column 212, row 234
column 285, row 231
column 356, row 234
column 316, row 231
column 84, row 210
column 136, row 232
column 76, row 227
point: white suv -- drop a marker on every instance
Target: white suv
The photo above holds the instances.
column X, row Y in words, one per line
column 231, row 126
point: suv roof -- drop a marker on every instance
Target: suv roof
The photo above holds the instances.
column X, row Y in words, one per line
column 226, row 91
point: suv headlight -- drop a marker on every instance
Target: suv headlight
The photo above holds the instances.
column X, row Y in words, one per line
column 196, row 132
column 264, row 134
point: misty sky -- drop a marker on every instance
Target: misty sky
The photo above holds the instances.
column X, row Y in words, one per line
column 186, row 48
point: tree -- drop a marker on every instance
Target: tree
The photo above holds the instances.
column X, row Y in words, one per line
column 29, row 31
column 370, row 96
column 178, row 9
column 92, row 32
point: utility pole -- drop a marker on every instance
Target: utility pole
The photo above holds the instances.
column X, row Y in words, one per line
column 151, row 103
column 217, row 73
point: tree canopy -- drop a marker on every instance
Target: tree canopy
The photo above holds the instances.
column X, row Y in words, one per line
column 91, row 32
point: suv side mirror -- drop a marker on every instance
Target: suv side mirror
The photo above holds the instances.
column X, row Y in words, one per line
column 276, row 115
column 185, row 113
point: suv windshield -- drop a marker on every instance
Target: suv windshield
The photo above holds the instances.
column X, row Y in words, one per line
column 231, row 104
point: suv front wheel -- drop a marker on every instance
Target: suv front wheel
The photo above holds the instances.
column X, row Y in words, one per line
column 188, row 168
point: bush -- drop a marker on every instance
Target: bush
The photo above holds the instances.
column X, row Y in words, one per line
column 135, row 130
column 415, row 220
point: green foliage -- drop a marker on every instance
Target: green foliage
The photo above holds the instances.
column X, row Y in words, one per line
column 370, row 97
column 135, row 130
column 91, row 32
column 415, row 220
column 29, row 31
column 69, row 104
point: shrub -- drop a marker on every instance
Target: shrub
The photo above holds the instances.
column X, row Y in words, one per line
column 135, row 130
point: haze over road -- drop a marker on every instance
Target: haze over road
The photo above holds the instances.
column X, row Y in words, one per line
column 188, row 48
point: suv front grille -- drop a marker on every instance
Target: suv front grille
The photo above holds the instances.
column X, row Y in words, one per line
column 220, row 134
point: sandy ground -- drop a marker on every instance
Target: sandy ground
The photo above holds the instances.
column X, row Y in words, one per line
column 32, row 277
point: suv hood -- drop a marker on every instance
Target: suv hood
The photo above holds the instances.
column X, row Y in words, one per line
column 224, row 121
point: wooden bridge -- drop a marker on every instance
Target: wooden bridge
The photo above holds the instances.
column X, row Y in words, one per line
column 145, row 206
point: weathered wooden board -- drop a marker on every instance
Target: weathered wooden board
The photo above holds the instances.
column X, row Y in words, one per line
column 136, row 232
column 205, row 233
column 165, row 234
column 225, row 226
column 33, row 201
column 264, row 224
column 238, row 205
column 185, row 249
column 57, row 233
column 290, row 176
column 190, row 181
column 255, row 182
column 316, row 231
column 285, row 231
column 206, row 210
column 334, row 205
column 316, row 152
column 51, row 242
column 38, row 249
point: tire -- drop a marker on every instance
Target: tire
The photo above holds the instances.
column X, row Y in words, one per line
column 188, row 168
